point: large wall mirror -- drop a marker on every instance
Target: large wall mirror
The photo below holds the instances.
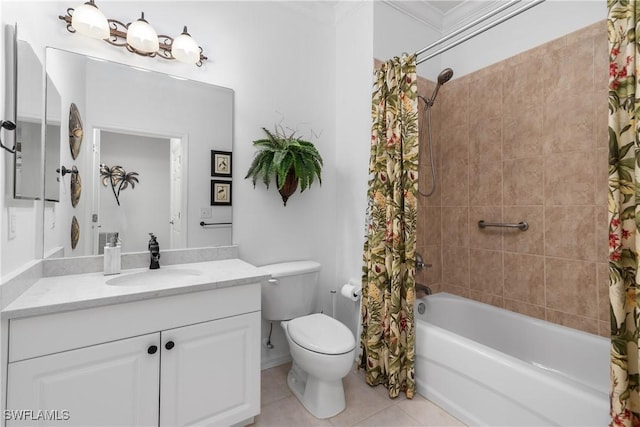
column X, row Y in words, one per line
column 138, row 147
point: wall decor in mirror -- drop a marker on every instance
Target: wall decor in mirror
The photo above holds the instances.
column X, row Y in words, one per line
column 150, row 130
column 118, row 179
column 75, row 232
column 75, row 131
column 76, row 186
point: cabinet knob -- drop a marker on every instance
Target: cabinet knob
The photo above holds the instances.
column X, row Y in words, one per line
column 169, row 345
column 152, row 349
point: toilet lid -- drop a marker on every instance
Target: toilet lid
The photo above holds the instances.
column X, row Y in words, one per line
column 321, row 334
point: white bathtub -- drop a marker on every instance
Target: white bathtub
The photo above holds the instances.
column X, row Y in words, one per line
column 492, row 367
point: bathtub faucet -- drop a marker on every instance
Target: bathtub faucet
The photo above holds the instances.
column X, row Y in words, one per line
column 423, row 288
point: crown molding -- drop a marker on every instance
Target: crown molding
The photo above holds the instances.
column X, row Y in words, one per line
column 422, row 11
column 466, row 12
column 445, row 22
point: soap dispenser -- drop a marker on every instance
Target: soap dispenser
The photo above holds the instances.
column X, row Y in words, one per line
column 112, row 255
column 154, row 251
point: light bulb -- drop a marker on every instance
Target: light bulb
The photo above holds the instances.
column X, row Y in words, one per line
column 88, row 20
column 185, row 49
column 142, row 37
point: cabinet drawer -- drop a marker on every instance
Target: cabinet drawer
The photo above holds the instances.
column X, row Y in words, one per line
column 40, row 335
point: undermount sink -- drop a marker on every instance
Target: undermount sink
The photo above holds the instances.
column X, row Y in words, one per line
column 161, row 276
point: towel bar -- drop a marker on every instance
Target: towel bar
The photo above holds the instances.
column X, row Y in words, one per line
column 204, row 224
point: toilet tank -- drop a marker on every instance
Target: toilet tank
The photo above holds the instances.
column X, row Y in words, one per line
column 292, row 290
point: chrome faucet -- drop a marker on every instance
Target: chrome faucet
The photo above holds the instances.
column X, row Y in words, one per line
column 154, row 250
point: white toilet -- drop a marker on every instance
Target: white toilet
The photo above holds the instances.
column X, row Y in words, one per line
column 322, row 348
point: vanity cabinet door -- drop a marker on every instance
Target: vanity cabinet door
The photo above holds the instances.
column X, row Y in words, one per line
column 111, row 384
column 211, row 372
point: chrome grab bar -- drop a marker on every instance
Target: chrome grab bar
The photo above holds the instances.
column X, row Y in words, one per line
column 522, row 225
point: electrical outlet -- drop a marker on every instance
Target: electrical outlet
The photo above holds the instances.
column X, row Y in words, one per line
column 205, row 212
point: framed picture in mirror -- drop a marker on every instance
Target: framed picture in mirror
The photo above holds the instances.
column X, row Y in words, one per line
column 220, row 193
column 221, row 163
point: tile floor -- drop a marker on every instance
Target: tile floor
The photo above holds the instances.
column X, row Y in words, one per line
column 366, row 406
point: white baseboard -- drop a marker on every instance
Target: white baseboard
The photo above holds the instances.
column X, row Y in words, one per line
column 266, row 364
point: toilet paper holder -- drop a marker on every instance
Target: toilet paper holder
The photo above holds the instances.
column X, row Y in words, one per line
column 352, row 290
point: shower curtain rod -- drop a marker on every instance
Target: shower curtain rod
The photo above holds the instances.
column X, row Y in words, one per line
column 469, row 25
column 478, row 31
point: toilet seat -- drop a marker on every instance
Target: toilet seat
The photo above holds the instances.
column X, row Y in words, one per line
column 321, row 334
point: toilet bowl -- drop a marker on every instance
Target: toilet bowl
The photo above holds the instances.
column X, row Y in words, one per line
column 323, row 351
column 322, row 348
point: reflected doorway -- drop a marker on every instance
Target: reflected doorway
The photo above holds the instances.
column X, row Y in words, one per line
column 153, row 204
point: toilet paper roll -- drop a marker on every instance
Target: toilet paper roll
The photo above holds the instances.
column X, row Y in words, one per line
column 350, row 291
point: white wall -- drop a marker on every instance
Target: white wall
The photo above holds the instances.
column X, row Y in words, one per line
column 354, row 71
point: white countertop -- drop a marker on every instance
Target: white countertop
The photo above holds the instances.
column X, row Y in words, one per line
column 78, row 291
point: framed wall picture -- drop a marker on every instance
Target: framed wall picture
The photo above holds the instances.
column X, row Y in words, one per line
column 221, row 163
column 220, row 193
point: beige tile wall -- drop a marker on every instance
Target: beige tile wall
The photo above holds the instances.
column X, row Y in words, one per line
column 524, row 139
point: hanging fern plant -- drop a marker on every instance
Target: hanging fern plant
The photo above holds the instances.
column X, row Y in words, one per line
column 288, row 159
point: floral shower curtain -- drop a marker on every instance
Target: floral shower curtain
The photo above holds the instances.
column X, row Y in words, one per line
column 624, row 201
column 388, row 280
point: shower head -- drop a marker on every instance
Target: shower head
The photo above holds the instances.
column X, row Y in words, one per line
column 444, row 76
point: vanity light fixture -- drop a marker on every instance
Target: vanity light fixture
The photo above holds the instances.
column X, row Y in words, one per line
column 88, row 20
column 184, row 48
column 137, row 37
column 142, row 37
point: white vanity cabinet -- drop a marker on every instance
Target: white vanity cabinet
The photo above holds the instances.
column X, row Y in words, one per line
column 115, row 383
column 208, row 377
column 186, row 359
